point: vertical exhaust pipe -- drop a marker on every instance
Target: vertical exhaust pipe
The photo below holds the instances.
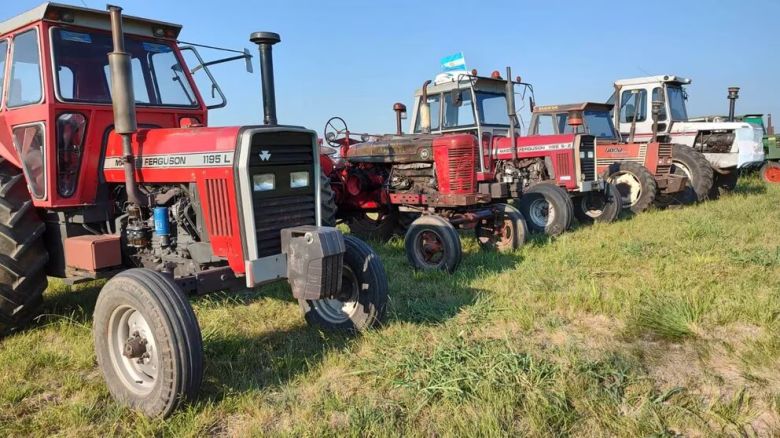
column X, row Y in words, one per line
column 265, row 42
column 425, row 110
column 400, row 111
column 512, row 112
column 123, row 102
column 733, row 96
column 770, row 129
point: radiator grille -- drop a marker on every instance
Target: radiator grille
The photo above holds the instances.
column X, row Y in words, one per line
column 664, row 151
column 462, row 169
column 587, row 158
column 563, row 166
column 273, row 214
column 219, row 207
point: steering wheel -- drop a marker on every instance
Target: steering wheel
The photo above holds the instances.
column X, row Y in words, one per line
column 335, row 127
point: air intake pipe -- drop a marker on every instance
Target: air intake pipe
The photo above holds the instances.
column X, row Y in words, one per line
column 733, row 96
column 123, row 102
column 265, row 42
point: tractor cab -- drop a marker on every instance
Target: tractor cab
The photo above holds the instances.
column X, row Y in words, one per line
column 467, row 103
column 588, row 118
column 57, row 103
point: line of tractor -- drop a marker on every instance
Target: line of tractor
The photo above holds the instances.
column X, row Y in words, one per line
column 109, row 170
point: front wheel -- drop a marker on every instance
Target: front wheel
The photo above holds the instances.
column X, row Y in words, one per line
column 505, row 231
column 433, row 243
column 692, row 164
column 148, row 342
column 546, row 208
column 723, row 183
column 361, row 303
column 636, row 185
column 599, row 206
column 380, row 225
column 770, row 172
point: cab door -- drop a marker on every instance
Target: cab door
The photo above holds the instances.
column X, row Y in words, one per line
column 634, row 109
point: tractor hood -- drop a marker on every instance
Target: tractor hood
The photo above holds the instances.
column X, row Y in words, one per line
column 748, row 142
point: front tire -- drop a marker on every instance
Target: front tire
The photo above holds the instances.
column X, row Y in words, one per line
column 433, row 243
column 690, row 163
column 546, row 208
column 723, row 183
column 599, row 206
column 506, row 231
column 636, row 185
column 380, row 226
column 770, row 172
column 23, row 255
column 148, row 342
column 362, row 301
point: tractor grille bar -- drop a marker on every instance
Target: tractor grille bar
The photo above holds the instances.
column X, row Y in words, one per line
column 281, row 154
column 664, row 151
column 588, row 157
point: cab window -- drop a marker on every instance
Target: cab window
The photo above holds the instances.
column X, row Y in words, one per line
column 658, row 96
column 458, row 109
column 3, row 56
column 25, row 86
column 633, row 106
column 545, row 125
column 434, row 103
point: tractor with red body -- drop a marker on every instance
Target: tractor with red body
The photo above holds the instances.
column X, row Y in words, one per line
column 461, row 166
column 644, row 172
column 108, row 170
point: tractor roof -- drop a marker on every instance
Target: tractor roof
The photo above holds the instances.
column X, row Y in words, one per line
column 654, row 80
column 573, row 107
column 90, row 18
column 449, row 82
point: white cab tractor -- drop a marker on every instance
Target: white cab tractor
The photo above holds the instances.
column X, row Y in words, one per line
column 728, row 145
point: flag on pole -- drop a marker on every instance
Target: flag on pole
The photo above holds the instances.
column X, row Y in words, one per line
column 456, row 62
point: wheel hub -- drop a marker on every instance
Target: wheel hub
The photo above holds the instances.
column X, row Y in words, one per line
column 133, row 349
column 772, row 174
column 135, row 346
column 431, row 247
column 541, row 213
column 629, row 187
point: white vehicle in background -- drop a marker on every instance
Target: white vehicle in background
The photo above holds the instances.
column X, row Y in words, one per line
column 727, row 145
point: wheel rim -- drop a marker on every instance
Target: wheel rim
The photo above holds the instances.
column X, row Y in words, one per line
column 541, row 213
column 342, row 309
column 685, row 170
column 138, row 367
column 592, row 205
column 772, row 174
column 629, row 186
column 498, row 233
column 429, row 248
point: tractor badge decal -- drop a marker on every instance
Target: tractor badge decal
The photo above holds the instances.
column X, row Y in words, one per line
column 264, row 155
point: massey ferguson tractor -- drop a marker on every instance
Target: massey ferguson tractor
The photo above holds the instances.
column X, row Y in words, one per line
column 460, row 167
column 642, row 171
column 109, row 171
column 729, row 146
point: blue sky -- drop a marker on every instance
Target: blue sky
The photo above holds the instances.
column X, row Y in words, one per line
column 356, row 58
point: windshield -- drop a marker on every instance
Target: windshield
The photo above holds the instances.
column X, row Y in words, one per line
column 459, row 111
column 598, row 123
column 492, row 108
column 676, row 97
column 83, row 74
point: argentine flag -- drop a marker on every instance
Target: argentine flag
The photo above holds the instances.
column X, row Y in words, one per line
column 456, row 62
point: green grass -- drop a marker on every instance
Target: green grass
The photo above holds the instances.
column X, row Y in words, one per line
column 663, row 324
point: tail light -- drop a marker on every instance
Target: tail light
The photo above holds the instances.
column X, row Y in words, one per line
column 70, row 149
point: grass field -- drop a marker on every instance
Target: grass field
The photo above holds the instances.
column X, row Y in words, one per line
column 663, row 324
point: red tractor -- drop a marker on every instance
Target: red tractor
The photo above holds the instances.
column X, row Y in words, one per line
column 108, row 170
column 459, row 165
column 644, row 173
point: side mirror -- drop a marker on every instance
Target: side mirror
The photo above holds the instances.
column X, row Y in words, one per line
column 457, row 98
column 248, row 59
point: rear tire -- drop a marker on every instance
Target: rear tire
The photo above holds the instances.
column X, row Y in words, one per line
column 23, row 256
column 433, row 243
column 362, row 302
column 148, row 342
column 599, row 206
column 380, row 226
column 504, row 232
column 636, row 185
column 723, row 183
column 690, row 163
column 770, row 172
column 546, row 209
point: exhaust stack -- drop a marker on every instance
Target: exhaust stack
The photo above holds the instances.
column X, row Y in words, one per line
column 400, row 114
column 265, row 42
column 770, row 129
column 123, row 102
column 733, row 96
column 425, row 110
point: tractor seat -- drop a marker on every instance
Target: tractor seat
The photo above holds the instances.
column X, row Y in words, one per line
column 394, row 149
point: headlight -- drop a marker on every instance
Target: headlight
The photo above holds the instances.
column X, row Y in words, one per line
column 263, row 182
column 299, row 179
